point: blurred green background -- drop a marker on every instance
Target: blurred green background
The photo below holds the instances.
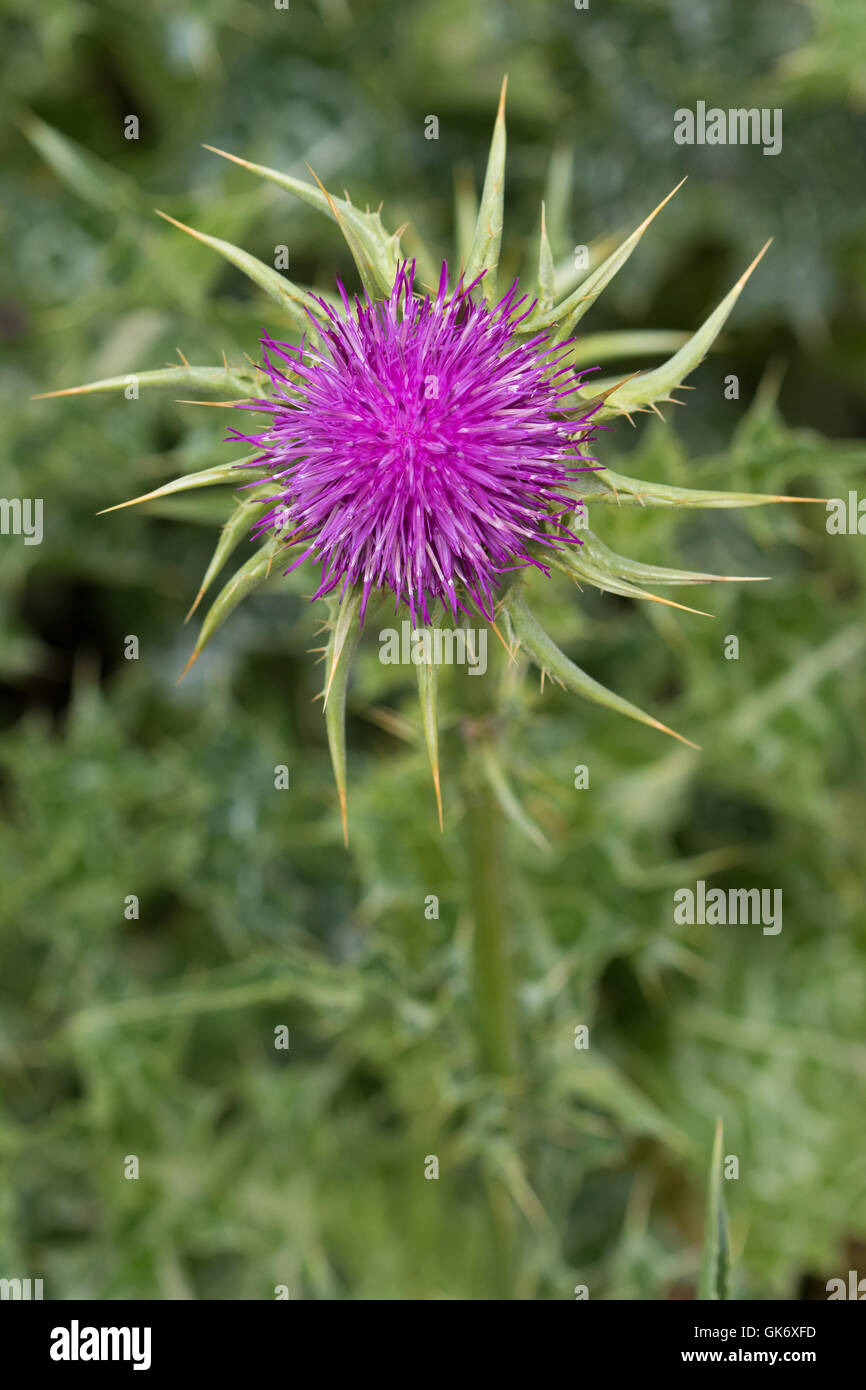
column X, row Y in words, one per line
column 155, row 1037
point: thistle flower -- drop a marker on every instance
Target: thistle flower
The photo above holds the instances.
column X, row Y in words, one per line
column 430, row 447
column 421, row 449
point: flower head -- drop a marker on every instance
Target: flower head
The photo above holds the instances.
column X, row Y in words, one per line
column 420, row 447
column 427, row 446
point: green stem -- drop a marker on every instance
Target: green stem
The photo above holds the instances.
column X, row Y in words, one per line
column 487, row 875
column 489, row 900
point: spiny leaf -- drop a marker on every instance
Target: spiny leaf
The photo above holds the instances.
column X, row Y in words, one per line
column 508, row 801
column 242, row 384
column 247, row 579
column 291, row 298
column 604, row 485
column 716, row 1262
column 206, row 477
column 345, row 636
column 484, row 255
column 657, row 385
column 233, row 532
column 380, row 253
column 428, row 699
column 548, row 657
column 348, row 617
column 567, row 315
column 579, row 565
column 568, row 274
column 606, row 558
column 372, row 282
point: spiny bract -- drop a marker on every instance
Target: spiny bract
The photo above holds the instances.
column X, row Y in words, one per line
column 443, row 500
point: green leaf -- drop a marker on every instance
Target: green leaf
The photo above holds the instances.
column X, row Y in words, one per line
column 233, row 532
column 578, row 563
column 244, row 582
column 716, row 1263
column 604, row 485
column 567, row 315
column 206, row 477
column 656, row 385
column 549, row 658
column 292, row 299
column 376, row 254
column 484, row 255
column 606, row 559
column 243, row 384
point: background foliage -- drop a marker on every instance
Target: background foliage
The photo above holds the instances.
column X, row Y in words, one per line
column 155, row 1037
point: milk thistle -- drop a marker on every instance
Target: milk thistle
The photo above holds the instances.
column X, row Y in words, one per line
column 430, row 444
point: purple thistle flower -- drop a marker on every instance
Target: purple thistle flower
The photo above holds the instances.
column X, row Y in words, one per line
column 422, row 448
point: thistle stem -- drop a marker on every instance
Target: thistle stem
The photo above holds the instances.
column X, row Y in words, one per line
column 487, row 885
column 488, row 902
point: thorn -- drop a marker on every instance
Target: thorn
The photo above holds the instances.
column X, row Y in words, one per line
column 657, row 724
column 602, row 396
column 438, row 791
column 669, row 602
column 500, row 114
column 822, row 500
column 191, row 231
column 747, row 272
column 183, row 359
column 503, row 641
column 331, row 204
column 67, row 391
column 198, row 598
column 656, row 211
column 193, row 659
column 233, row 157
column 145, row 497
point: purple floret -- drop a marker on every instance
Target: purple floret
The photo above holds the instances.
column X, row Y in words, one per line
column 422, row 449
